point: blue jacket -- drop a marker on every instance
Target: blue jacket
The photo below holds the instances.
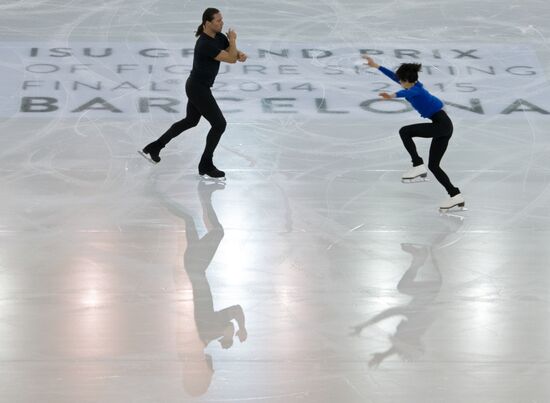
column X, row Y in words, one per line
column 425, row 103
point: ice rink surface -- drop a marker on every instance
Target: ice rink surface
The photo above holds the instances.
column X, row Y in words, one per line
column 313, row 274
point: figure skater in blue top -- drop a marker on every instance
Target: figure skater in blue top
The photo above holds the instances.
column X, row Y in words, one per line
column 440, row 129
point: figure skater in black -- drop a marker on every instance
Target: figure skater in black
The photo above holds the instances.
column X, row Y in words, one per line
column 211, row 48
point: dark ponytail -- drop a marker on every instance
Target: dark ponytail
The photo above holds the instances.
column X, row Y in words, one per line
column 200, row 30
column 208, row 15
column 408, row 72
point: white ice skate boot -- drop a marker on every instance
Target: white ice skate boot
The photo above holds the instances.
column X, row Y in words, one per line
column 455, row 201
column 415, row 174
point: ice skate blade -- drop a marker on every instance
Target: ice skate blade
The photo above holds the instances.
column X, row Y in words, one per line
column 418, row 179
column 206, row 178
column 455, row 208
column 147, row 157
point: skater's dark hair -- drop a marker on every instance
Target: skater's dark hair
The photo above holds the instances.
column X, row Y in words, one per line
column 408, row 72
column 208, row 15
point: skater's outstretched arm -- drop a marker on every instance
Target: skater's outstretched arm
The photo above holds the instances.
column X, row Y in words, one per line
column 390, row 74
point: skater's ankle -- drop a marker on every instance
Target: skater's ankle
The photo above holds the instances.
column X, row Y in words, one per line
column 153, row 149
column 206, row 164
column 154, row 146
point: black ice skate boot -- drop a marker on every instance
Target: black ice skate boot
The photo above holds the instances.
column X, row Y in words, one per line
column 207, row 168
column 151, row 152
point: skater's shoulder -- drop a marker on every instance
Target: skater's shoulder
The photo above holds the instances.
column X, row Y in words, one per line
column 414, row 91
column 203, row 38
column 207, row 43
column 222, row 39
column 418, row 89
column 207, row 38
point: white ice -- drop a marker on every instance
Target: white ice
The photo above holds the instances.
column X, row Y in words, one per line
column 351, row 285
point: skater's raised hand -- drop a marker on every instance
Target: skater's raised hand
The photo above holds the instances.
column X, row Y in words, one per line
column 370, row 61
column 231, row 35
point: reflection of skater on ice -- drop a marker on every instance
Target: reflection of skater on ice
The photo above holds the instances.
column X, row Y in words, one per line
column 419, row 314
column 212, row 325
column 201, row 324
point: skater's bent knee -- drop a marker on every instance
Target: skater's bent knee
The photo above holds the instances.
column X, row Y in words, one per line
column 185, row 124
column 194, row 122
column 220, row 125
column 404, row 132
column 434, row 166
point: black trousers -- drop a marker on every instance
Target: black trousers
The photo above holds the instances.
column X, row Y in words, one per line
column 440, row 130
column 201, row 102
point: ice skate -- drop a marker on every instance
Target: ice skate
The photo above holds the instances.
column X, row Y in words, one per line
column 151, row 152
column 211, row 172
column 415, row 174
column 455, row 202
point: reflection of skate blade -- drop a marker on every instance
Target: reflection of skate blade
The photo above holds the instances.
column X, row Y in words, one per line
column 146, row 157
column 453, row 214
column 210, row 186
column 416, row 179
